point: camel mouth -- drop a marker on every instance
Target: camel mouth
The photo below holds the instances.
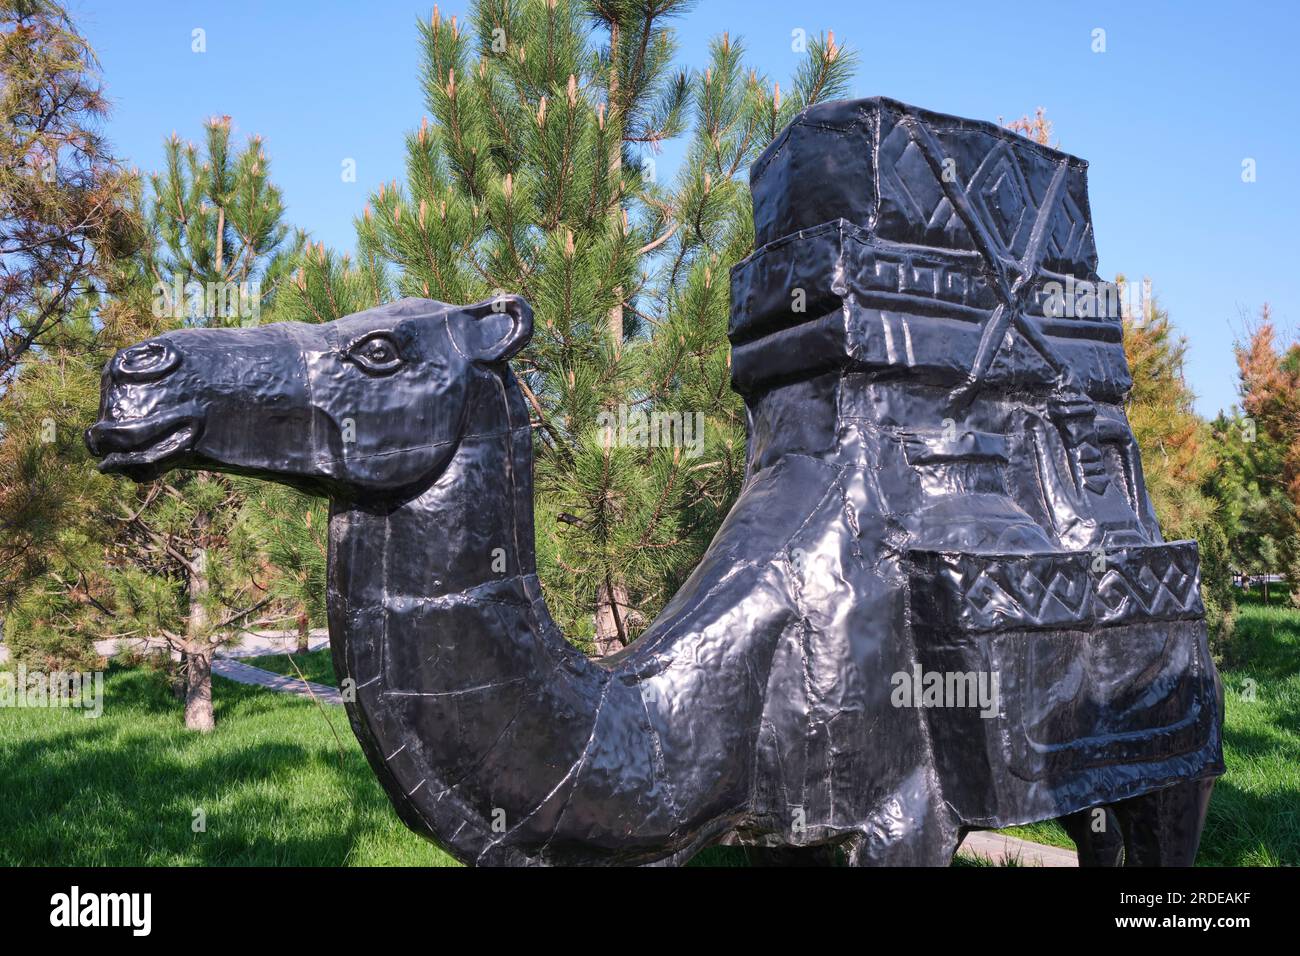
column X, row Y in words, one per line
column 141, row 450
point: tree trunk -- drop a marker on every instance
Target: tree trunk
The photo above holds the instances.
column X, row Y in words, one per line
column 615, row 317
column 611, row 596
column 198, row 647
column 198, row 691
column 303, row 632
column 613, row 617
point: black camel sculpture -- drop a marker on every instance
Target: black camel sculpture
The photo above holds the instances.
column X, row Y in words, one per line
column 943, row 498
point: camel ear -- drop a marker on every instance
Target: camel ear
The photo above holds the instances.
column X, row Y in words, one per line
column 499, row 328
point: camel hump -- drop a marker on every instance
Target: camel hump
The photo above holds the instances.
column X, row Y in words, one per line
column 762, row 533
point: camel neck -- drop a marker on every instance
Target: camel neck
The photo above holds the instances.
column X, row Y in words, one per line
column 471, row 527
column 487, row 729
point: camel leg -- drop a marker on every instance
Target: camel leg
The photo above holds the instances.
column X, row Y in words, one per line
column 933, row 845
column 1163, row 828
column 1097, row 836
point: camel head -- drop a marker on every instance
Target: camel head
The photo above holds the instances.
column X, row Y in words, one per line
column 373, row 402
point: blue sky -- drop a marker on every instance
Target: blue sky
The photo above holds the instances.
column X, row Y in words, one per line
column 1183, row 93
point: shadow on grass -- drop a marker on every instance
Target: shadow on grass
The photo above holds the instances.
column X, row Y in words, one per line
column 133, row 787
column 1247, row 829
column 1254, row 815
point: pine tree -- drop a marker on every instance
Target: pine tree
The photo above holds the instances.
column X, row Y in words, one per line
column 1179, row 458
column 221, row 250
column 287, row 532
column 1256, row 513
column 61, row 194
column 1264, row 487
column 219, row 254
column 65, row 217
column 537, row 175
column 169, row 559
column 53, row 590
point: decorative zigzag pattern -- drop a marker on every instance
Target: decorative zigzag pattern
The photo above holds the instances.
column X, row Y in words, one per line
column 992, row 592
column 1151, row 592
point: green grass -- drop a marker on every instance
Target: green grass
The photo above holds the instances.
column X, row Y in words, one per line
column 1254, row 818
column 122, row 789
column 316, row 666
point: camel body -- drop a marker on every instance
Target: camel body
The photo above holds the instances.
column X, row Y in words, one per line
column 941, row 483
column 760, row 707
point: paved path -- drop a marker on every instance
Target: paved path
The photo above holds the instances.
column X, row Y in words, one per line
column 1000, row 848
column 248, row 674
column 228, row 660
column 275, row 642
column 253, row 644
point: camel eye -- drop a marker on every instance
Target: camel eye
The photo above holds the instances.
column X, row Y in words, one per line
column 376, row 353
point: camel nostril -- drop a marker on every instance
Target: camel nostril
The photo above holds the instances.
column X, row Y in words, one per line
column 146, row 361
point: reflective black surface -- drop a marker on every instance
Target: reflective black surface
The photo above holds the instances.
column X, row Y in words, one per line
column 941, row 602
